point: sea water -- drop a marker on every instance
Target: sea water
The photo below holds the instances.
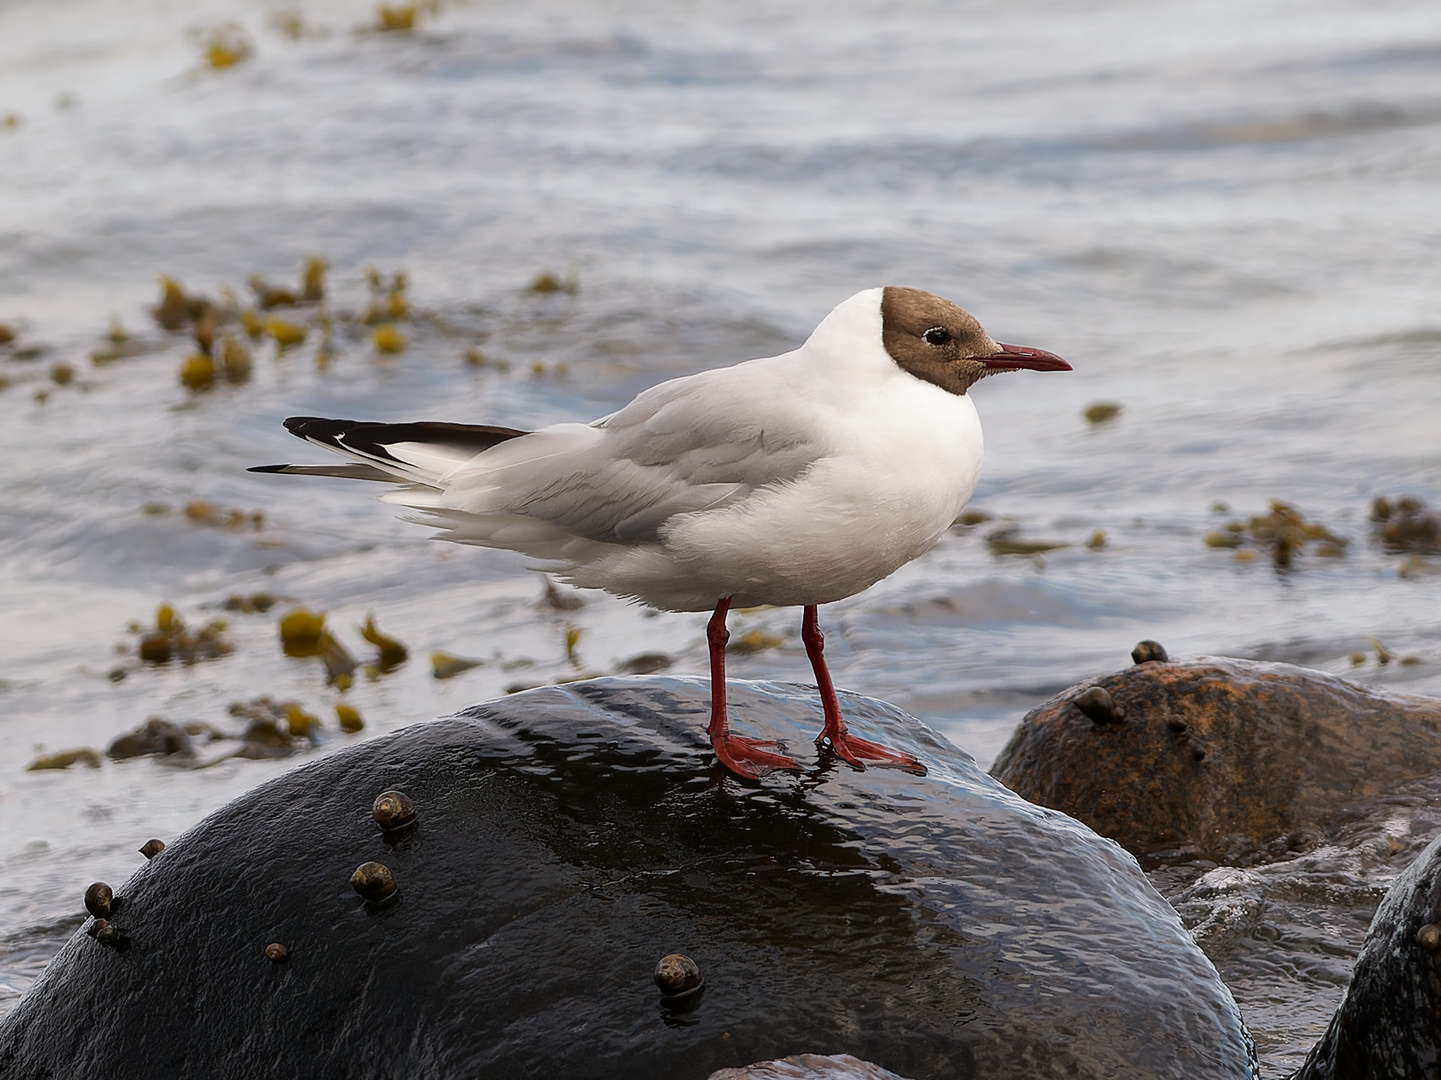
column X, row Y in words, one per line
column 1225, row 214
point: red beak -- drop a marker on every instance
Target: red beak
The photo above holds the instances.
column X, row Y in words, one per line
column 1012, row 357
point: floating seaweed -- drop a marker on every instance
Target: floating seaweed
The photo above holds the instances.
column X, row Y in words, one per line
column 197, row 372
column 302, row 724
column 348, row 718
column 1282, row 533
column 477, row 359
column 392, row 18
column 387, row 302
column 268, row 731
column 118, row 345
column 1006, row 540
column 171, row 639
column 287, row 334
column 290, row 23
column 158, row 737
column 1406, row 526
column 300, row 632
column 225, row 45
column 200, row 512
column 260, row 602
column 753, row 641
column 63, row 759
column 234, row 360
column 647, row 663
column 173, row 311
column 387, row 339
column 312, row 285
column 547, row 282
column 1099, row 412
column 392, row 652
column 444, row 665
column 339, row 664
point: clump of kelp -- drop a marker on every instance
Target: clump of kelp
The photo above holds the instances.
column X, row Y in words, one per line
column 1405, row 526
column 1281, row 534
column 303, row 634
column 205, row 513
column 224, row 45
column 1004, row 537
column 172, row 639
column 269, row 729
column 222, row 338
column 226, row 330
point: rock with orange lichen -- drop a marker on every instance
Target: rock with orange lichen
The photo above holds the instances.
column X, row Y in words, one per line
column 1229, row 760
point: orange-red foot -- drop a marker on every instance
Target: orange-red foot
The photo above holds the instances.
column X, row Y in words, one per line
column 749, row 758
column 859, row 752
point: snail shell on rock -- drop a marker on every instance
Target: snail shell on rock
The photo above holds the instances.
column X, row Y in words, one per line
column 99, row 899
column 677, row 975
column 374, row 882
column 393, row 810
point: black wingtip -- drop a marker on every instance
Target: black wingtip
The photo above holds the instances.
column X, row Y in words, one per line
column 315, row 427
column 268, row 468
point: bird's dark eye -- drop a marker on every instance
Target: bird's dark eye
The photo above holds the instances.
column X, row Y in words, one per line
column 937, row 335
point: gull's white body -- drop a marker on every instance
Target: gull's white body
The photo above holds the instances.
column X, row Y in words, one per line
column 797, row 479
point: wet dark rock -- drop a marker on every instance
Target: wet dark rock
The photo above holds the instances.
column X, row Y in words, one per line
column 1218, row 758
column 1390, row 1022
column 939, row 927
column 809, row 1067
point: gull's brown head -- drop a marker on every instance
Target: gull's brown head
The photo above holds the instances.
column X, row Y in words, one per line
column 937, row 341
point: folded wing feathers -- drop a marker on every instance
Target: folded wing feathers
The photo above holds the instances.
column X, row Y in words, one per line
column 558, row 490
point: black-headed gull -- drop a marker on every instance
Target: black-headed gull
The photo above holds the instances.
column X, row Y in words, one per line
column 797, row 479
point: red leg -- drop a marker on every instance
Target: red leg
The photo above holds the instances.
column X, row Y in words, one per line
column 850, row 748
column 742, row 756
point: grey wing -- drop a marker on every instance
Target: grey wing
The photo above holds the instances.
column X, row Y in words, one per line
column 620, row 479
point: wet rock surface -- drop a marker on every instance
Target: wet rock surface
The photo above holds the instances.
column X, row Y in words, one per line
column 1228, row 760
column 1315, row 809
column 1390, row 1023
column 566, row 839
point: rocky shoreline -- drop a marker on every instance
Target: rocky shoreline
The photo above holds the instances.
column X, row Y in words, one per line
column 565, row 839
